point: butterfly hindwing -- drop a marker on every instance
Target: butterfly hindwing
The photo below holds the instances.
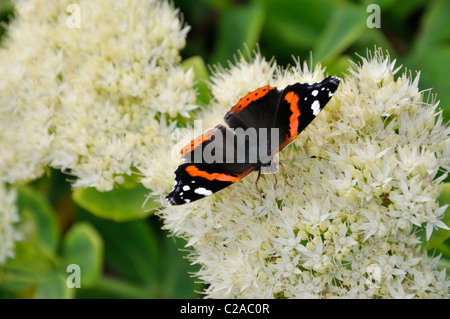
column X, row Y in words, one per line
column 210, row 165
column 218, row 145
column 194, row 152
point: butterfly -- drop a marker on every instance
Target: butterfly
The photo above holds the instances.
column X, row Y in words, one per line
column 262, row 123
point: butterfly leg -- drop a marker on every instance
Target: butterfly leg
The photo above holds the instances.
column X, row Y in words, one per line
column 295, row 159
column 256, row 185
column 276, row 180
column 284, row 175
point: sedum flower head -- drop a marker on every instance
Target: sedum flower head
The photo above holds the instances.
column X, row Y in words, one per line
column 342, row 224
column 8, row 218
column 90, row 100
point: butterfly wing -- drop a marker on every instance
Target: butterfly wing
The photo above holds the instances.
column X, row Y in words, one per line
column 254, row 110
column 211, row 164
column 195, row 151
column 196, row 181
column 252, row 119
column 299, row 104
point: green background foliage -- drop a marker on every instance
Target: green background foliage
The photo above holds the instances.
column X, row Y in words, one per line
column 120, row 245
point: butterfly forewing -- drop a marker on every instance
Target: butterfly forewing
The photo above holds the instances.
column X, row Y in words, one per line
column 255, row 109
column 195, row 181
column 299, row 104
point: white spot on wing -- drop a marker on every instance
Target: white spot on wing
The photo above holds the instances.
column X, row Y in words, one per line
column 186, row 188
column 315, row 107
column 202, row 191
column 314, row 93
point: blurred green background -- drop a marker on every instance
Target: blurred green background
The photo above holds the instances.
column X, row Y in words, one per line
column 121, row 249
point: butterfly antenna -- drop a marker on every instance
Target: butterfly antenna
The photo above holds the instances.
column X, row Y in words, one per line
column 297, row 159
column 284, row 175
column 290, row 160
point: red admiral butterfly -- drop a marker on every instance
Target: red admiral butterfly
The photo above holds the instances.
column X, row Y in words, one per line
column 288, row 111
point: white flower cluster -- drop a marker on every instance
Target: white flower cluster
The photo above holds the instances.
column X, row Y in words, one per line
column 90, row 100
column 8, row 217
column 343, row 224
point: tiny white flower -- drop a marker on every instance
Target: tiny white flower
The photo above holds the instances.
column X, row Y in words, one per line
column 341, row 240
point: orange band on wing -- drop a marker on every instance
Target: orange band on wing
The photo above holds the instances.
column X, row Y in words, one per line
column 196, row 142
column 292, row 98
column 251, row 97
column 195, row 172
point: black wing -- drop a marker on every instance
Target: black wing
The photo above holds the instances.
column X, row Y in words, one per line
column 299, row 104
column 254, row 110
column 196, row 181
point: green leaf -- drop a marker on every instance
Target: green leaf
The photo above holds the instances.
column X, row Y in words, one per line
column 6, row 12
column 401, row 10
column 370, row 39
column 444, row 199
column 83, row 246
column 131, row 248
column 219, row 4
column 199, row 66
column 21, row 273
column 201, row 77
column 133, row 251
column 35, row 255
column 339, row 66
column 431, row 52
column 115, row 288
column 177, row 281
column 53, row 286
column 444, row 264
column 444, row 249
column 347, row 24
column 435, row 27
column 34, row 209
column 121, row 204
column 239, row 26
column 143, row 260
column 434, row 66
column 296, row 23
column 441, row 235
